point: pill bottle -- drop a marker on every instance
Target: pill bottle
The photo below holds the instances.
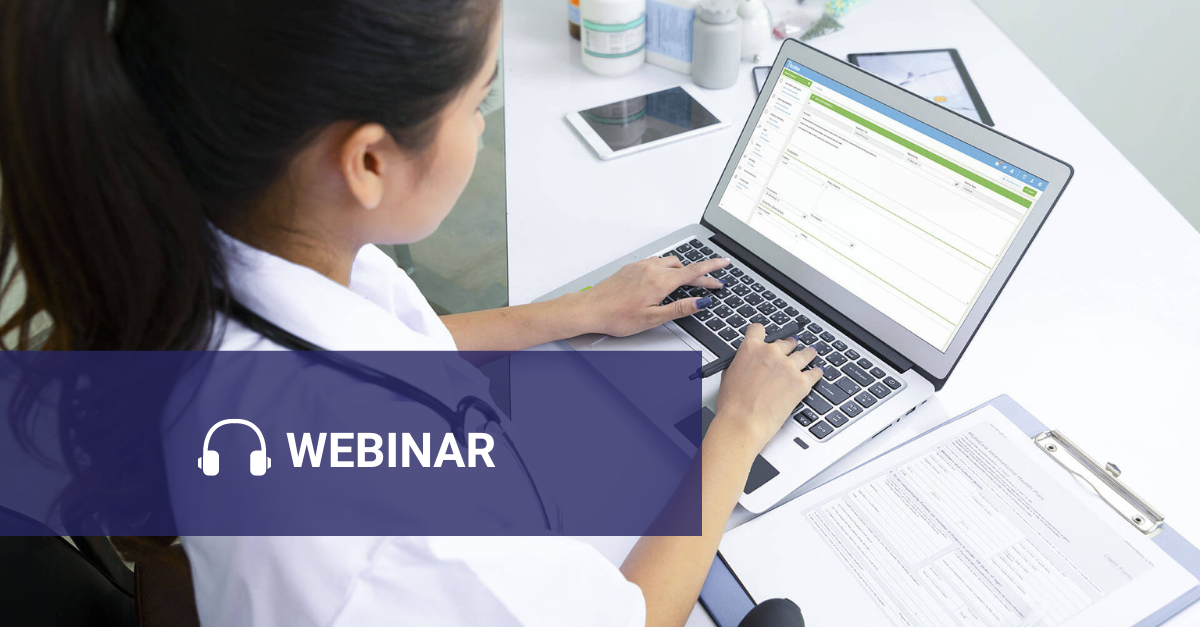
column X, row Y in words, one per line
column 716, row 44
column 613, row 35
column 756, row 28
column 573, row 18
column 669, row 33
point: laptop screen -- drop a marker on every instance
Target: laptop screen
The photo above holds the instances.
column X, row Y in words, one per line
column 910, row 220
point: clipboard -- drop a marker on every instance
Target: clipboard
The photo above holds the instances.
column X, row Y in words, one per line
column 727, row 601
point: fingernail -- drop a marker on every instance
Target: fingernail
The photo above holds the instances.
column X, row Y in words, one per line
column 814, row 348
column 796, row 337
column 723, row 281
column 704, row 303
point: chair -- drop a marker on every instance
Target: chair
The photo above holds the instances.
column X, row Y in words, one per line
column 47, row 581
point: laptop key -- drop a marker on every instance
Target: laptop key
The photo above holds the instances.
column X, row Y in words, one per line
column 705, row 250
column 832, row 393
column 827, row 336
column 850, row 408
column 820, row 430
column 682, row 248
column 718, row 273
column 715, row 324
column 840, row 345
column 892, row 383
column 740, row 289
column 822, row 348
column 837, row 359
column 808, row 339
column 736, row 271
column 771, row 328
column 815, row 328
column 864, row 399
column 830, row 373
column 819, row 363
column 698, row 330
column 753, row 298
column 780, row 318
column 878, row 372
column 758, row 287
column 723, row 311
column 849, row 387
column 792, row 312
column 693, row 255
column 860, row 377
column 879, row 390
column 818, row 404
column 728, row 334
column 736, row 321
column 766, row 308
column 852, row 354
column 806, row 417
column 836, row 418
column 760, row 319
column 703, row 315
column 802, row 321
column 695, row 243
column 747, row 279
column 769, row 295
column 778, row 302
column 866, row 365
column 746, row 311
column 734, row 302
column 684, row 260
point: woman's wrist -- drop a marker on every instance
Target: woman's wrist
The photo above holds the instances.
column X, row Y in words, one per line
column 736, row 435
column 573, row 315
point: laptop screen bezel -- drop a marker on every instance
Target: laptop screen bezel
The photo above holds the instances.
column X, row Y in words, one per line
column 925, row 356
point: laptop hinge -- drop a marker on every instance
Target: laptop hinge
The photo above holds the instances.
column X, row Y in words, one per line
column 818, row 306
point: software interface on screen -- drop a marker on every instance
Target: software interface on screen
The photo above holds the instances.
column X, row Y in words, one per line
column 903, row 216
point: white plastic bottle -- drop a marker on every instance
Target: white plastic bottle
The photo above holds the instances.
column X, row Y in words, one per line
column 669, row 33
column 717, row 44
column 756, row 28
column 613, row 35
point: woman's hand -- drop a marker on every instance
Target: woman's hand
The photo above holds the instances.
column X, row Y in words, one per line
column 630, row 300
column 762, row 386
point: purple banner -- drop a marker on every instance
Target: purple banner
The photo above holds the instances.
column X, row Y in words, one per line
column 372, row 443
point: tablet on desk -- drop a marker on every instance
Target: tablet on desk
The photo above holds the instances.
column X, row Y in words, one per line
column 937, row 75
column 635, row 124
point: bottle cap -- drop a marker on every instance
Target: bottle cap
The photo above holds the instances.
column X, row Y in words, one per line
column 717, row 11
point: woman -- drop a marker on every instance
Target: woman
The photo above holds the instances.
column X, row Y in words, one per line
column 161, row 154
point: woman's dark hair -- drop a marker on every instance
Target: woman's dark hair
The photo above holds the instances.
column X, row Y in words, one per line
column 122, row 133
column 126, row 129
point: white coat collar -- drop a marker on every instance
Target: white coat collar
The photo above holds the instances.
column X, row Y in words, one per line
column 384, row 310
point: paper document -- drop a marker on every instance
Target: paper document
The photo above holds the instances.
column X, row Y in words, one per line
column 972, row 525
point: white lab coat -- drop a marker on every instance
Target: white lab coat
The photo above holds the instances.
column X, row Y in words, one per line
column 359, row 581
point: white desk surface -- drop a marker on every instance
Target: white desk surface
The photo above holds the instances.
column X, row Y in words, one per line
column 1096, row 333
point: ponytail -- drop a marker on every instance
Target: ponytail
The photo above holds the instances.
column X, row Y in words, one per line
column 110, row 242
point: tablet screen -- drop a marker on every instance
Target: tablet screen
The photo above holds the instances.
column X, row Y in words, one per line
column 648, row 118
column 932, row 74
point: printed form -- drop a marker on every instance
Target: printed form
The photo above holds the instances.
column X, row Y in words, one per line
column 977, row 528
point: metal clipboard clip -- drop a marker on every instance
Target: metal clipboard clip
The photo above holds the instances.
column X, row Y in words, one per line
column 1102, row 479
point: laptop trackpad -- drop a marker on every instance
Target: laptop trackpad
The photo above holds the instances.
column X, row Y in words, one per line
column 659, row 338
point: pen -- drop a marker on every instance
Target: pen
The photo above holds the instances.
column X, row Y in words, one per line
column 717, row 365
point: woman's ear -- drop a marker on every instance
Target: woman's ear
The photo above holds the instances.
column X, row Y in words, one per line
column 363, row 163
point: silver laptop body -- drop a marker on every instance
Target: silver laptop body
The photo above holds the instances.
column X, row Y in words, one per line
column 883, row 223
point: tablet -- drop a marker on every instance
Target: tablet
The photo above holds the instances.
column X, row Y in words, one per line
column 636, row 124
column 937, row 75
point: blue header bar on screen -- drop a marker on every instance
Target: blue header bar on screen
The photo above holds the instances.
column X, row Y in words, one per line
column 1013, row 172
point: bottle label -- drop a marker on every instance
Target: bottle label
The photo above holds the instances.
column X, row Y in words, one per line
column 610, row 41
column 669, row 30
column 573, row 12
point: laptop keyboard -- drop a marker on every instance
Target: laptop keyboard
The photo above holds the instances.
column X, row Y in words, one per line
column 852, row 385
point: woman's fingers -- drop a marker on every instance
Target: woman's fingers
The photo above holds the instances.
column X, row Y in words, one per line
column 694, row 274
column 787, row 344
column 678, row 309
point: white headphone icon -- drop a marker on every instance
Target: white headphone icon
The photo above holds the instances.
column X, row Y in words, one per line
column 210, row 462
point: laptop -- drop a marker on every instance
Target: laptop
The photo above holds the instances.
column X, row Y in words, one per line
column 882, row 223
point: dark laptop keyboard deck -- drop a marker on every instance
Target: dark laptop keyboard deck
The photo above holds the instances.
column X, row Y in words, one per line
column 852, row 384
